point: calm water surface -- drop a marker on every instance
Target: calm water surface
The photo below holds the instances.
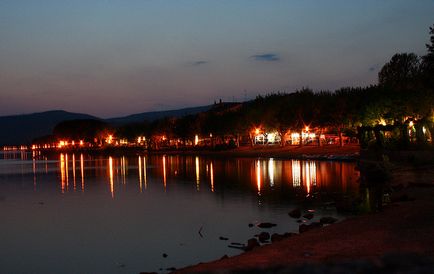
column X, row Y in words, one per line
column 74, row 213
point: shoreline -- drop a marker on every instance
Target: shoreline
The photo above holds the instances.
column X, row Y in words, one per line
column 329, row 152
column 405, row 227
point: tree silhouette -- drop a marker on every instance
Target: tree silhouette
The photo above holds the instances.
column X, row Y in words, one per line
column 428, row 61
column 401, row 71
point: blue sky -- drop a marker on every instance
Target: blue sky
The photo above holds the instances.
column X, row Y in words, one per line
column 110, row 58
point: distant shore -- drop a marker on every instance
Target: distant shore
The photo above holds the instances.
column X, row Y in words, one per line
column 329, row 152
column 376, row 241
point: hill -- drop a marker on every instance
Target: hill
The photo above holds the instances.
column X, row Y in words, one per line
column 155, row 115
column 22, row 129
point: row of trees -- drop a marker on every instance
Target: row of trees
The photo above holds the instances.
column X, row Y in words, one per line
column 402, row 101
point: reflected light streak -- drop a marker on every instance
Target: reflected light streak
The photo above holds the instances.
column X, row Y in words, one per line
column 312, row 170
column 62, row 172
column 34, row 174
column 307, row 177
column 258, row 177
column 123, row 169
column 271, row 171
column 145, row 180
column 164, row 173
column 140, row 173
column 66, row 171
column 112, row 188
column 197, row 173
column 82, row 172
column 296, row 173
column 73, row 172
column 211, row 175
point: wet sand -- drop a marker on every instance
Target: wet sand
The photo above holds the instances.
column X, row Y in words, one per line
column 405, row 226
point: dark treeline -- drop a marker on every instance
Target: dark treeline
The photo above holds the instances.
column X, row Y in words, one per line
column 398, row 110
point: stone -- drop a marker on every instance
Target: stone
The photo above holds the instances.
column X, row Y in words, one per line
column 223, row 238
column 328, row 220
column 250, row 225
column 266, row 225
column 296, row 213
column 304, row 227
column 263, row 237
column 242, row 247
column 251, row 243
column 308, row 216
column 165, row 255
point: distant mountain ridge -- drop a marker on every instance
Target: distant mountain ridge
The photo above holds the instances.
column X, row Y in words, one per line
column 155, row 115
column 22, row 129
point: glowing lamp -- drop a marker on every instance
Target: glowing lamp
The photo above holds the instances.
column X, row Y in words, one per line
column 196, row 139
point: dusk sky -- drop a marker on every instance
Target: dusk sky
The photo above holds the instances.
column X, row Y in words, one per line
column 111, row 58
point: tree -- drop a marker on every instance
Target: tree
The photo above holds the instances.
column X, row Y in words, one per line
column 401, row 72
column 428, row 61
column 86, row 129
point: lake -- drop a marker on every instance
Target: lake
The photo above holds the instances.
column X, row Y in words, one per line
column 76, row 213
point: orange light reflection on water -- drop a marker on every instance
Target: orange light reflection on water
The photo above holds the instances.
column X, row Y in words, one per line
column 62, row 172
column 73, row 171
column 82, row 171
column 211, row 175
column 271, row 171
column 112, row 187
column 258, row 176
column 140, row 173
column 164, row 173
column 144, row 173
column 296, row 173
column 197, row 173
column 34, row 173
column 66, row 172
column 123, row 169
column 262, row 174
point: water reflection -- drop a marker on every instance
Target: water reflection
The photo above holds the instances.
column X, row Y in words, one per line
column 62, row 173
column 263, row 176
column 144, row 172
column 271, row 171
column 296, row 173
column 82, row 171
column 112, row 187
column 258, row 176
column 73, row 172
column 164, row 173
column 34, row 173
column 140, row 173
column 211, row 176
column 197, row 173
column 123, row 169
